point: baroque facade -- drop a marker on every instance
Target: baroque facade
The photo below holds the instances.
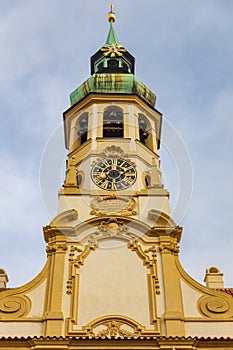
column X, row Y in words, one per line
column 113, row 277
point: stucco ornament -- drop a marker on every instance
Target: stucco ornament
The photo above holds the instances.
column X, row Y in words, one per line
column 215, row 306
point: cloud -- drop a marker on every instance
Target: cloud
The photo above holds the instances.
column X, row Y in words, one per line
column 22, row 217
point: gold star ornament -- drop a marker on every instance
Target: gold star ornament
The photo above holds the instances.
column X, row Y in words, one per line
column 113, row 50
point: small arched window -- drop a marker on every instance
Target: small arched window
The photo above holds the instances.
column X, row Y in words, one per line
column 113, row 122
column 147, row 180
column 82, row 126
column 144, row 130
column 79, row 179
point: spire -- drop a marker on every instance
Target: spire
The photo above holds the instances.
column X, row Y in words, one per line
column 112, row 58
column 111, row 38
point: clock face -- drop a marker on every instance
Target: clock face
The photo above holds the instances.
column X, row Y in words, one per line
column 113, row 174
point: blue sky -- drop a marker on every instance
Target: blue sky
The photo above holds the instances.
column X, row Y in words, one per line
column 184, row 54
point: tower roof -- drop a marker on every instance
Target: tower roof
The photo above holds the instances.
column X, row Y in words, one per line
column 112, row 71
column 112, row 37
column 112, row 57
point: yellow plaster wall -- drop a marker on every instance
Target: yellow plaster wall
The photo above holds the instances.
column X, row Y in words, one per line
column 37, row 300
column 113, row 281
column 21, row 329
column 209, row 329
column 190, row 299
column 146, row 203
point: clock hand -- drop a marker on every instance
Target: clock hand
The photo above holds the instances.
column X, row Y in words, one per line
column 101, row 176
column 114, row 165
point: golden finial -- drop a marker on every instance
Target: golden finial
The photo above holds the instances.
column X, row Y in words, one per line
column 111, row 14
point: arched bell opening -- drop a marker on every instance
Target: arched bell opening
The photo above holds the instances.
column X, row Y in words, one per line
column 145, row 135
column 113, row 125
column 82, row 128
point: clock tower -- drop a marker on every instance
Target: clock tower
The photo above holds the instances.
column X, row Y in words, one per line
column 112, row 133
column 113, row 277
column 114, row 192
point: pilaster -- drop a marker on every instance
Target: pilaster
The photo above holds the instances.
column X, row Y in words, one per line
column 53, row 315
column 174, row 315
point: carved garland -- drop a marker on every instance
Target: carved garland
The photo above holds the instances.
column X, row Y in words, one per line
column 114, row 327
column 113, row 151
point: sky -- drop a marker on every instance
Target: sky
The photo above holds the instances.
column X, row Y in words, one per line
column 184, row 54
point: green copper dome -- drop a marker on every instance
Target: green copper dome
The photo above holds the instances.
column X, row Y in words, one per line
column 112, row 72
column 113, row 84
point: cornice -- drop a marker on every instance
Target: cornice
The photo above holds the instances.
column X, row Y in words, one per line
column 102, row 343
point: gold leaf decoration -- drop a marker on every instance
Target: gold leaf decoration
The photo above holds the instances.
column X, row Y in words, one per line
column 113, row 50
